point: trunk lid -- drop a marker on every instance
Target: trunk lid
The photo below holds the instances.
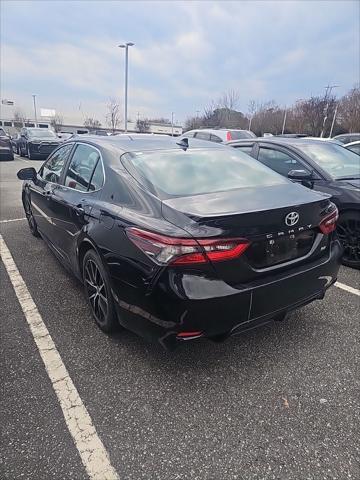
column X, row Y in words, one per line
column 259, row 215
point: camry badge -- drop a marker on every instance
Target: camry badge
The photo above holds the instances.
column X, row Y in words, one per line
column 291, row 219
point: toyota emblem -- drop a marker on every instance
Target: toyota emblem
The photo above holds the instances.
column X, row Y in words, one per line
column 291, row 219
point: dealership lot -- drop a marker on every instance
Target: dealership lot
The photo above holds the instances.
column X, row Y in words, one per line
column 278, row 402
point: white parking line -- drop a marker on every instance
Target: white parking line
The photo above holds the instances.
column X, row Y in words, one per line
column 13, row 220
column 91, row 449
column 347, row 288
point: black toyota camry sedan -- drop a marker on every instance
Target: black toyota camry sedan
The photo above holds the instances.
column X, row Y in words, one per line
column 179, row 239
column 321, row 165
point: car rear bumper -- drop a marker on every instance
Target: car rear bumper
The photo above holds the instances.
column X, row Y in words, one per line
column 6, row 152
column 182, row 303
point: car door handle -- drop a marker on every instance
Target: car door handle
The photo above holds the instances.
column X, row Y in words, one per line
column 79, row 210
column 48, row 194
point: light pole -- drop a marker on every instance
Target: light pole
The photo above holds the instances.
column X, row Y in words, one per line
column 126, row 46
column 328, row 91
column 333, row 121
column 34, row 100
column 284, row 122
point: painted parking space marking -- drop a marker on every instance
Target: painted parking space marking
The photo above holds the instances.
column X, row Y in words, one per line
column 353, row 290
column 13, row 220
column 91, row 449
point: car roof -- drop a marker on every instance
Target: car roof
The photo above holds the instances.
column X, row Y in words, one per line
column 283, row 141
column 214, row 129
column 137, row 142
column 347, row 135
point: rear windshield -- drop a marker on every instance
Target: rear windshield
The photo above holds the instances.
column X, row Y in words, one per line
column 238, row 135
column 198, row 171
column 334, row 159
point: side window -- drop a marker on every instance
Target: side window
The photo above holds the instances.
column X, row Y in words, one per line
column 97, row 179
column 81, row 167
column 244, row 148
column 202, row 135
column 355, row 148
column 215, row 138
column 279, row 161
column 51, row 170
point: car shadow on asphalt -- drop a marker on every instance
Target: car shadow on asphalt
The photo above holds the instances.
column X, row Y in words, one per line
column 265, row 345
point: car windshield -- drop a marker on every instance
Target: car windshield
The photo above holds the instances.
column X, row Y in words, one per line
column 334, row 159
column 198, row 171
column 41, row 132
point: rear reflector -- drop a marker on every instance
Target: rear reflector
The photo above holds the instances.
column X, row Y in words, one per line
column 188, row 335
column 228, row 136
column 185, row 251
column 328, row 224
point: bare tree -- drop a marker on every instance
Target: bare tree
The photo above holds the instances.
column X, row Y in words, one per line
column 229, row 100
column 113, row 114
column 19, row 118
column 142, row 126
column 349, row 110
column 91, row 123
column 192, row 123
column 57, row 122
column 251, row 111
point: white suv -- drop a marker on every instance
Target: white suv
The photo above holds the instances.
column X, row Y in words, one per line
column 219, row 135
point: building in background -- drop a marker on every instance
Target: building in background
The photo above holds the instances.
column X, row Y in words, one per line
column 12, row 126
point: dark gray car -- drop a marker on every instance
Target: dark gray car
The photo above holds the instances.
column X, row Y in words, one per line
column 6, row 150
column 37, row 143
column 325, row 166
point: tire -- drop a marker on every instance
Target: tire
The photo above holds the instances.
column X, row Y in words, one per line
column 30, row 217
column 21, row 152
column 98, row 292
column 348, row 230
column 30, row 155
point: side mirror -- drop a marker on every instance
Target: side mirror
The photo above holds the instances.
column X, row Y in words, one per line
column 299, row 175
column 302, row 176
column 27, row 174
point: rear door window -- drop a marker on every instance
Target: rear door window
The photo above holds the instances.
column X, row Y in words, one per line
column 81, row 167
column 215, row 138
column 279, row 161
column 244, row 148
column 97, row 180
column 354, row 148
column 202, row 135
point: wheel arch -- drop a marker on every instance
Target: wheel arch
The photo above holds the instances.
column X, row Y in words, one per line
column 84, row 246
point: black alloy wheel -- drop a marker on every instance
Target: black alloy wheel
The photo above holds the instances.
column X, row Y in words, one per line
column 30, row 217
column 98, row 292
column 348, row 229
column 30, row 155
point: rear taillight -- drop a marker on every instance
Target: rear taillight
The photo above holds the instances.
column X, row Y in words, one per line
column 328, row 224
column 184, row 251
column 228, row 136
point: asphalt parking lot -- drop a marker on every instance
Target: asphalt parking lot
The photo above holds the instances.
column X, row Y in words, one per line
column 279, row 402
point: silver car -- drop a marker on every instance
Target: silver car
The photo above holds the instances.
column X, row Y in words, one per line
column 219, row 135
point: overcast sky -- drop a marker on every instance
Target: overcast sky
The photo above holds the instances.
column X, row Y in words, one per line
column 186, row 53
